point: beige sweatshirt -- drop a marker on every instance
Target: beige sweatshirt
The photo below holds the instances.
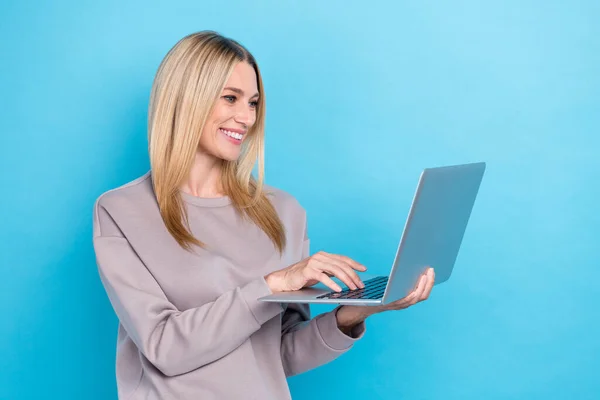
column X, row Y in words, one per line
column 190, row 325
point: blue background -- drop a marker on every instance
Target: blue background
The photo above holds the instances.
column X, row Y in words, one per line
column 360, row 97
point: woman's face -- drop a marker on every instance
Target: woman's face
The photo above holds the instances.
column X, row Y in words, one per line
column 233, row 115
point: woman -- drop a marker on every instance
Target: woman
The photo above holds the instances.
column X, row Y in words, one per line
column 185, row 251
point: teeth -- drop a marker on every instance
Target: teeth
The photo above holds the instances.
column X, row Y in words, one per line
column 234, row 135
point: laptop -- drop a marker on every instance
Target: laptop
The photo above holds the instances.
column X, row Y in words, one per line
column 432, row 236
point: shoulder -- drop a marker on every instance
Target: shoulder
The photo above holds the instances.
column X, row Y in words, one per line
column 125, row 200
column 289, row 209
column 281, row 198
column 293, row 216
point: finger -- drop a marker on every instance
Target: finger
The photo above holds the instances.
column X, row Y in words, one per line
column 421, row 287
column 430, row 283
column 419, row 281
column 347, row 270
column 340, row 273
column 413, row 297
column 352, row 263
column 420, row 292
column 351, row 273
column 410, row 298
column 327, row 281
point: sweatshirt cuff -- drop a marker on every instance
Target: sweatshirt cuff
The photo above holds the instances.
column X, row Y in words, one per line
column 333, row 336
column 262, row 310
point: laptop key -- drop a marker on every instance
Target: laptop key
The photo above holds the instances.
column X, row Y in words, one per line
column 374, row 289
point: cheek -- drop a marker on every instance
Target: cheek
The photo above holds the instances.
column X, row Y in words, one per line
column 211, row 130
column 220, row 114
column 203, row 144
column 209, row 138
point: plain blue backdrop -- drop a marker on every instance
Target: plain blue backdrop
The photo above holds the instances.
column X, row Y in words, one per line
column 360, row 97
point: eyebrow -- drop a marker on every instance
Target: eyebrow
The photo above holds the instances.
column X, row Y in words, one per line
column 239, row 91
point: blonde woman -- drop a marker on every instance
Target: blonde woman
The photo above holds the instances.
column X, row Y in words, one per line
column 185, row 251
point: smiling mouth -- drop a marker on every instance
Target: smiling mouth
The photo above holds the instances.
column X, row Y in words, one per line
column 232, row 135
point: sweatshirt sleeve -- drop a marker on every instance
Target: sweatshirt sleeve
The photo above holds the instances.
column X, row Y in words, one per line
column 306, row 343
column 176, row 341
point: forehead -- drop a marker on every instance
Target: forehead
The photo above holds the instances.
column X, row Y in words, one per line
column 243, row 77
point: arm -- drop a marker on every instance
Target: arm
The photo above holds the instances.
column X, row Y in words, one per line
column 172, row 340
column 306, row 343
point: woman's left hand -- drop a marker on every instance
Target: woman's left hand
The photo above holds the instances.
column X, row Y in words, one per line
column 349, row 316
column 420, row 293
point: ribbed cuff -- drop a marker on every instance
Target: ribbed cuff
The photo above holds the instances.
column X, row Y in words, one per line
column 333, row 336
column 262, row 310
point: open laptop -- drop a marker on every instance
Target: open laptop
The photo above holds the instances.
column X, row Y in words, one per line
column 432, row 236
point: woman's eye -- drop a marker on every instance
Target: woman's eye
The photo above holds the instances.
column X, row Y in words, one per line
column 231, row 99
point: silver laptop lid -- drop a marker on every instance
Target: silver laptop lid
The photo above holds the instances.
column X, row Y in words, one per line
column 435, row 226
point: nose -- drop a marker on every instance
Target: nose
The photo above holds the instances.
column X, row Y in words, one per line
column 244, row 115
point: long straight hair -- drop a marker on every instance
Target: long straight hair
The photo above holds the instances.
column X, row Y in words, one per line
column 187, row 85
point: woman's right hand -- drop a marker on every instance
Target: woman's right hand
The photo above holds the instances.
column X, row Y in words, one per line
column 314, row 269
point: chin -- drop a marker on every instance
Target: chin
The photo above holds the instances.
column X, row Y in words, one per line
column 229, row 156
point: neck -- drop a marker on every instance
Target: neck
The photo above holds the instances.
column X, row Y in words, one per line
column 204, row 179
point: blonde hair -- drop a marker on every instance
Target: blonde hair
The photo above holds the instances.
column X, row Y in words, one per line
column 187, row 85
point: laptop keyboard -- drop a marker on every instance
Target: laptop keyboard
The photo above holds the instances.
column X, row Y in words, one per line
column 374, row 289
